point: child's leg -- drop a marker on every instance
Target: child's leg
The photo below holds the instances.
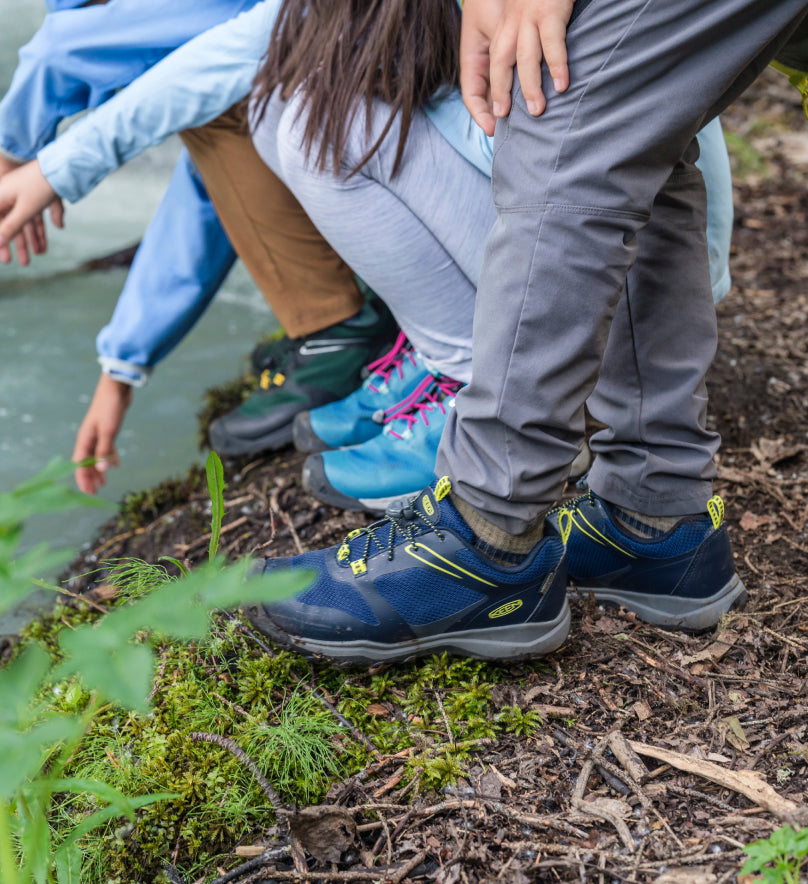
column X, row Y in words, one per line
column 416, row 237
column 656, row 454
column 308, row 286
column 573, row 189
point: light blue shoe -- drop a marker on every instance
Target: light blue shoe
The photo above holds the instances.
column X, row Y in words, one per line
column 396, row 463
column 362, row 414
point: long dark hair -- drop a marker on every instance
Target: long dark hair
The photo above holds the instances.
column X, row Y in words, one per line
column 340, row 53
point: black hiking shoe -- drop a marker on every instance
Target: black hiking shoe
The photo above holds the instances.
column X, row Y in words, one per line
column 299, row 374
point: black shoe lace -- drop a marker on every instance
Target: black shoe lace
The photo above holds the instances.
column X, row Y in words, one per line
column 404, row 520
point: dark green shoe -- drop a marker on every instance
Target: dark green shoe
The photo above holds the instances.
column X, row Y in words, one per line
column 299, row 374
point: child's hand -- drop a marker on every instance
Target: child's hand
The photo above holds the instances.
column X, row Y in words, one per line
column 98, row 431
column 24, row 194
column 498, row 34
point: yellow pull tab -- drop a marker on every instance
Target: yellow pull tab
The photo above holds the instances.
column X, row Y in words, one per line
column 443, row 487
column 265, row 381
column 279, row 378
column 715, row 507
column 359, row 567
column 565, row 524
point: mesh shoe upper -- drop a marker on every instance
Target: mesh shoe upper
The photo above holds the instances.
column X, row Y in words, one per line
column 693, row 559
column 404, row 577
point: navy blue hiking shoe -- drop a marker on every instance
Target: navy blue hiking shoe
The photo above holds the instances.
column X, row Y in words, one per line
column 363, row 413
column 683, row 578
column 412, row 584
column 396, row 463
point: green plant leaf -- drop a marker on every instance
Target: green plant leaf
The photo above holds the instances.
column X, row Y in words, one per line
column 108, row 663
column 241, row 588
column 107, row 793
column 16, row 578
column 44, row 493
column 19, row 683
column 22, row 753
column 107, row 813
column 176, row 563
column 68, row 865
column 35, row 840
column 215, row 473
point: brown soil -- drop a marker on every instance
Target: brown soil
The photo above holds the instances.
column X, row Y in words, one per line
column 566, row 805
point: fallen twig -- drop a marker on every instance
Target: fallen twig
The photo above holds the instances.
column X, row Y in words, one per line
column 234, row 749
column 745, row 782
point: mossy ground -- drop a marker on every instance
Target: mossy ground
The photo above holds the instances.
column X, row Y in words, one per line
column 496, row 759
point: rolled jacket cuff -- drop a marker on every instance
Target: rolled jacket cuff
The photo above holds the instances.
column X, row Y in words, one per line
column 125, row 372
column 10, row 155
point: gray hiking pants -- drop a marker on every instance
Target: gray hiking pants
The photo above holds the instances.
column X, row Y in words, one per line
column 596, row 198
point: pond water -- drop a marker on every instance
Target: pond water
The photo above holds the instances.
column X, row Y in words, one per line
column 49, row 317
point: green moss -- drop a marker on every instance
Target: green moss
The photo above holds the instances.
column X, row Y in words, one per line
column 439, row 707
column 143, row 507
column 222, row 399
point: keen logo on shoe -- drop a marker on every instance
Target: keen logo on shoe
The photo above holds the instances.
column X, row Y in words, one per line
column 504, row 610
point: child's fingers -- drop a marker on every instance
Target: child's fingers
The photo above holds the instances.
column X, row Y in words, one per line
column 57, row 213
column 34, row 233
column 528, row 63
column 503, row 59
column 21, row 245
column 554, row 47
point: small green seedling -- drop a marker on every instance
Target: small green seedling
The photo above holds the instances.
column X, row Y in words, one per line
column 778, row 858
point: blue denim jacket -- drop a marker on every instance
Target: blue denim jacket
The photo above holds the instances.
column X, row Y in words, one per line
column 77, row 60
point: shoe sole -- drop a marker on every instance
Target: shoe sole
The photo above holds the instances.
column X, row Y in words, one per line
column 223, row 443
column 304, row 437
column 687, row 614
column 316, row 483
column 511, row 643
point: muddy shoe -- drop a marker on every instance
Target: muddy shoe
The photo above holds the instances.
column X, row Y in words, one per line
column 362, row 414
column 301, row 374
column 413, row 584
column 683, row 578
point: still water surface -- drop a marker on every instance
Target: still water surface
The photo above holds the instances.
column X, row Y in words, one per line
column 49, row 318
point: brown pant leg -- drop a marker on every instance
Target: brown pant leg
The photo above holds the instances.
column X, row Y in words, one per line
column 307, row 285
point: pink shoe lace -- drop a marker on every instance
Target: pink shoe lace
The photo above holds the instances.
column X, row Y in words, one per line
column 391, row 361
column 432, row 393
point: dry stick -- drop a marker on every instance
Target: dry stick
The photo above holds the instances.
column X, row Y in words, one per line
column 267, row 856
column 266, row 787
column 745, row 782
column 284, row 517
column 358, row 875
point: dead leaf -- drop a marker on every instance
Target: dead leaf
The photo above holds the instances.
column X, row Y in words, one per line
column 377, row 710
column 490, row 785
column 736, row 737
column 326, row 831
column 642, row 709
column 751, row 522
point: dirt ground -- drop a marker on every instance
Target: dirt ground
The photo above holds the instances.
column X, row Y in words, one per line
column 575, row 802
